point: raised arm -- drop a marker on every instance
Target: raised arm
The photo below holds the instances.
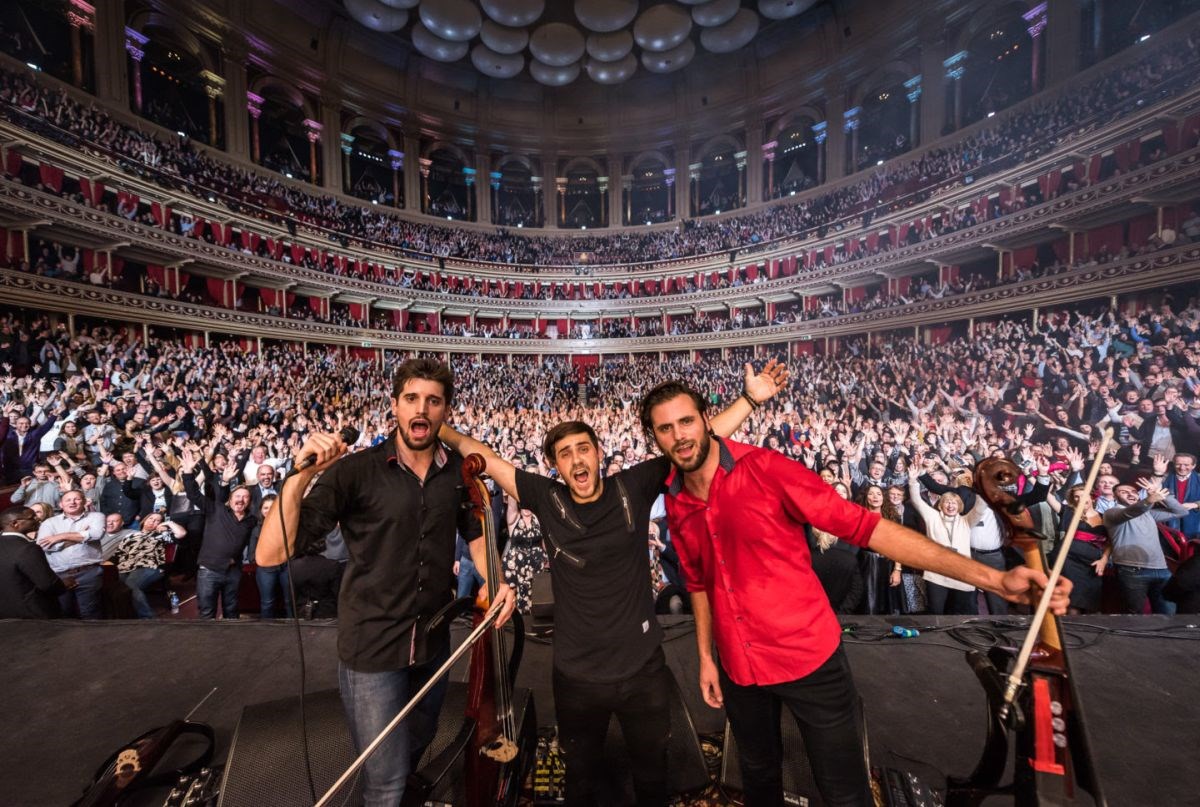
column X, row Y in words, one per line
column 756, row 390
column 497, row 468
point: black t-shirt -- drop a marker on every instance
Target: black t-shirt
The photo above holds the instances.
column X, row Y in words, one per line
column 604, row 624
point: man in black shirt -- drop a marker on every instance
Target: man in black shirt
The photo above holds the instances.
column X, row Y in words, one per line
column 400, row 506
column 29, row 589
column 227, row 528
column 608, row 657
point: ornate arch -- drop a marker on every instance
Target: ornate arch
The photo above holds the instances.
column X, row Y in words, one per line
column 453, row 148
column 990, row 14
column 713, row 143
column 792, row 118
column 363, row 122
column 264, row 84
column 579, row 163
column 142, row 20
column 877, row 79
column 649, row 154
column 519, row 159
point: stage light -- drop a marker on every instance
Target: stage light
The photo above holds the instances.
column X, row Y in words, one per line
column 879, row 163
column 718, row 212
column 33, row 66
column 181, row 134
column 793, row 193
column 991, row 114
column 520, row 224
column 583, row 227
column 1143, row 37
column 449, row 218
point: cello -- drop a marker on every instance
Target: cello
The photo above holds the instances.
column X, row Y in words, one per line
column 1036, row 702
column 494, row 761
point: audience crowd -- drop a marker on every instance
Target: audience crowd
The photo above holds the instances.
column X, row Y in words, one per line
column 123, row 447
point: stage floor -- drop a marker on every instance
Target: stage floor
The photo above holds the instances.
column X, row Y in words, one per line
column 73, row 692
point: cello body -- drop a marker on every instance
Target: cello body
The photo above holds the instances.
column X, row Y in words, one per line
column 1043, row 734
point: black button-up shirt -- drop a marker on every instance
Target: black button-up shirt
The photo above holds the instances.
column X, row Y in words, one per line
column 400, row 533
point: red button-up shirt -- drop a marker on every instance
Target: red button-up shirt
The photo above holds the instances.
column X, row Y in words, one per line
column 747, row 549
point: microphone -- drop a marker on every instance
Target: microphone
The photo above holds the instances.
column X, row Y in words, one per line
column 349, row 436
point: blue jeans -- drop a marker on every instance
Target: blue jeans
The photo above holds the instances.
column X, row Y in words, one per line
column 468, row 579
column 267, row 578
column 371, row 701
column 137, row 582
column 210, row 583
column 1137, row 584
column 86, row 593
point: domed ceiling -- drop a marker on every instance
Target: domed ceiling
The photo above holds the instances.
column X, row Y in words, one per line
column 558, row 41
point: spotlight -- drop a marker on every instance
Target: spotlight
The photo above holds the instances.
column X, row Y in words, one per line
column 1143, row 37
column 33, row 66
column 991, row 114
column 793, row 193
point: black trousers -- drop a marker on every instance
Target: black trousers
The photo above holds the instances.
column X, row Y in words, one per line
column 944, row 600
column 642, row 707
column 825, row 705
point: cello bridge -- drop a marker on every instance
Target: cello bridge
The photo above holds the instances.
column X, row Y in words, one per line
column 501, row 749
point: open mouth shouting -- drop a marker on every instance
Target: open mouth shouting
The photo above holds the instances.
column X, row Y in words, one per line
column 419, row 434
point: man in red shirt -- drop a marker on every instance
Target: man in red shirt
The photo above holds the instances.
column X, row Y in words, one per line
column 736, row 514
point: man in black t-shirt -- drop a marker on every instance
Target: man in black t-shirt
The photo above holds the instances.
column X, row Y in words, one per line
column 608, row 657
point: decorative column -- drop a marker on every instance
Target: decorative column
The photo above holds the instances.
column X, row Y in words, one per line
column 549, row 203
column 627, row 197
column 740, row 159
column 469, row 178
column 956, row 66
column 346, row 143
column 820, row 133
column 560, row 191
column 1036, row 17
column 135, row 46
column 768, row 154
column 933, row 104
column 426, row 166
column 669, row 178
column 214, row 88
column 1065, row 27
column 237, row 124
column 412, row 174
column 539, row 201
column 483, row 184
column 80, row 15
column 912, row 91
column 397, row 162
column 850, row 123
column 110, row 71
column 312, row 130
column 835, row 149
column 494, row 178
column 254, row 104
column 602, row 186
column 694, row 188
column 754, row 161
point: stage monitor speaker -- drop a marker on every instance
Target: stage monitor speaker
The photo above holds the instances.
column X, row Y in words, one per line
column 799, row 784
column 687, row 770
column 266, row 756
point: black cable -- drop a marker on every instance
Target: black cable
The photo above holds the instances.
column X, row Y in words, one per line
column 287, row 560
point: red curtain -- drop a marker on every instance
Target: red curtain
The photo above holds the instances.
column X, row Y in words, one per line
column 12, row 162
column 315, row 303
column 156, row 273
column 51, row 176
column 216, row 289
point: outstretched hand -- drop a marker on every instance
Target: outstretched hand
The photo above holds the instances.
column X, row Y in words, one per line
column 767, row 383
column 1025, row 586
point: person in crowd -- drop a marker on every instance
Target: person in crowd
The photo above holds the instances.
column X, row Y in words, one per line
column 141, row 559
column 834, row 563
column 228, row 523
column 1134, row 548
column 271, row 580
column 42, row 486
column 399, row 505
column 19, row 451
column 734, row 511
column 29, row 588
column 1088, row 554
column 71, row 541
column 608, row 657
column 950, row 527
column 115, row 531
column 1184, row 483
column 524, row 555
column 881, row 577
